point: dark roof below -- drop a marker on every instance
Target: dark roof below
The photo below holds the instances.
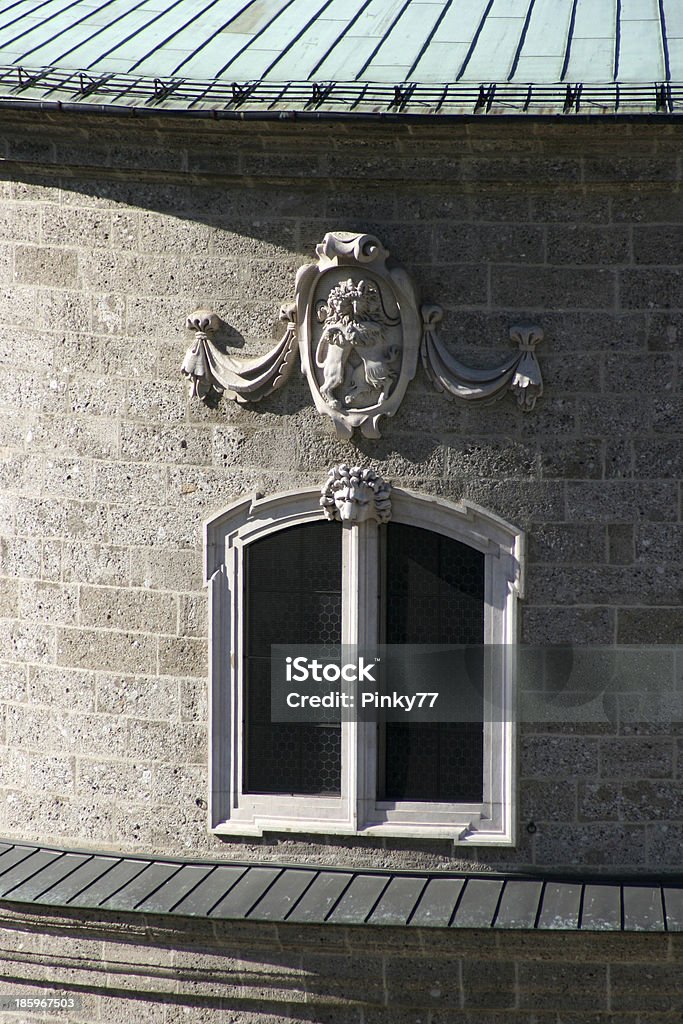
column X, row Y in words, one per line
column 47, row 876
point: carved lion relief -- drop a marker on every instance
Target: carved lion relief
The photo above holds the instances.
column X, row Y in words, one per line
column 354, row 495
column 358, row 327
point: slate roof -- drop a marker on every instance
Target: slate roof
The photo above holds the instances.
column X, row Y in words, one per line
column 46, row 876
column 345, row 57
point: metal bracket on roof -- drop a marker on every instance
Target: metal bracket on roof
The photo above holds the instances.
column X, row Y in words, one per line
column 240, row 92
column 88, row 85
column 402, row 94
column 319, row 94
column 663, row 98
column 485, row 98
column 572, row 98
column 163, row 89
column 26, row 80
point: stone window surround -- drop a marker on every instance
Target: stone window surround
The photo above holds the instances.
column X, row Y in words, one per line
column 356, row 811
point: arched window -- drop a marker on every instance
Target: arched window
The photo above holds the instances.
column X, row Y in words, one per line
column 436, row 574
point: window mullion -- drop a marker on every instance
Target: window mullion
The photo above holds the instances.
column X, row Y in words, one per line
column 360, row 630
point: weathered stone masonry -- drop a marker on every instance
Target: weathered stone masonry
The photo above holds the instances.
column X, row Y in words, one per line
column 112, row 232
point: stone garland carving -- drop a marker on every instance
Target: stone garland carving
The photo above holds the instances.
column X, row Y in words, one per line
column 213, row 371
column 520, row 372
column 359, row 328
column 354, row 495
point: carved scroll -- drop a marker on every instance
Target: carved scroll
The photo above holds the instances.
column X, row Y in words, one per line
column 520, row 372
column 213, row 371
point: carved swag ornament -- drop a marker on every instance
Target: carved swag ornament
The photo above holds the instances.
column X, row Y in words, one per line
column 358, row 327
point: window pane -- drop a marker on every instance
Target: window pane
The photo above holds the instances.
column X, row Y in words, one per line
column 293, row 597
column 434, row 595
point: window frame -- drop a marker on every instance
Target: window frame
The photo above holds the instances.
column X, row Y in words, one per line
column 357, row 811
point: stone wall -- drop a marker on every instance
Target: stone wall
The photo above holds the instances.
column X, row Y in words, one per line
column 113, row 231
column 126, row 968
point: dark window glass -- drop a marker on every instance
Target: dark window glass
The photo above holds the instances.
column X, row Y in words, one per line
column 293, row 597
column 434, row 595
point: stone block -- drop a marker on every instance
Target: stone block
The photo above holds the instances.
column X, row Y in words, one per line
column 13, row 683
column 263, row 449
column 566, row 543
column 583, row 244
column 192, row 615
column 649, row 625
column 599, row 802
column 620, row 543
column 650, row 289
column 9, row 598
column 138, row 610
column 557, row 206
column 660, row 459
column 490, row 458
column 60, row 311
column 51, row 602
column 484, row 243
column 553, row 985
column 667, row 415
column 131, row 783
column 603, row 585
column 629, row 758
column 655, row 987
column 180, row 785
column 539, row 287
column 645, row 801
column 558, row 757
column 166, row 568
column 181, row 743
column 606, row 846
column 615, row 168
column 452, row 286
column 618, row 460
column 542, row 800
column 13, row 768
column 430, row 981
column 654, row 542
column 50, row 773
column 27, row 642
column 75, row 227
column 194, row 700
column 155, row 525
column 616, row 501
column 488, row 985
column 61, row 688
column 76, row 436
column 108, row 314
column 657, row 244
column 141, row 443
column 185, row 656
column 130, row 483
column 89, row 648
column 96, row 396
column 138, row 698
column 46, row 265
column 98, row 564
column 153, row 401
column 579, row 460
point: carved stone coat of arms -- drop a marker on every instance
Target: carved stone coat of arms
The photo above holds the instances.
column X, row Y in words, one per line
column 359, row 331
column 358, row 327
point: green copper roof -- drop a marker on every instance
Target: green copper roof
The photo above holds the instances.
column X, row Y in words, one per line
column 419, row 56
